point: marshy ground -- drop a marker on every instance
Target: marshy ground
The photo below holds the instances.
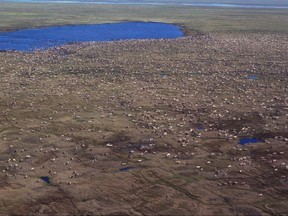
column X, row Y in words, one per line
column 147, row 127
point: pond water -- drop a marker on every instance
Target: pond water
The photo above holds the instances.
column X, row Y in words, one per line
column 45, row 179
column 127, row 168
column 43, row 38
column 252, row 77
column 245, row 141
column 200, row 128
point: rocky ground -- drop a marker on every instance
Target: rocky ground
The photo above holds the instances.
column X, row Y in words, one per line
column 148, row 127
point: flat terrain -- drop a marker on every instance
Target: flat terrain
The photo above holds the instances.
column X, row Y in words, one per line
column 175, row 2
column 146, row 127
column 15, row 16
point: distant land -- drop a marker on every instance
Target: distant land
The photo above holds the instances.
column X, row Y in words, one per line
column 253, row 18
column 220, row 3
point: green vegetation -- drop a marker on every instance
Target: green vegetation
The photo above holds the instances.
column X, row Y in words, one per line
column 249, row 2
column 23, row 15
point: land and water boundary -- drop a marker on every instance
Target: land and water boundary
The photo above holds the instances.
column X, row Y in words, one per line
column 187, row 126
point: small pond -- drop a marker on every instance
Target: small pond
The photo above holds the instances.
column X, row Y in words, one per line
column 252, row 77
column 127, row 168
column 43, row 38
column 244, row 141
column 46, row 179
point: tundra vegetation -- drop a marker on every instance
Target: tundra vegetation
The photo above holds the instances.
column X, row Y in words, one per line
column 145, row 127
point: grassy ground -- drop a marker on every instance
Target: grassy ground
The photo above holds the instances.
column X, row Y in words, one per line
column 18, row 15
column 146, row 127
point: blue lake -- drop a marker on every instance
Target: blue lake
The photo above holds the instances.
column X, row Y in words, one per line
column 43, row 38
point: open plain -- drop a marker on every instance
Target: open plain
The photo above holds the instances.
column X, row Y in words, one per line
column 146, row 127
